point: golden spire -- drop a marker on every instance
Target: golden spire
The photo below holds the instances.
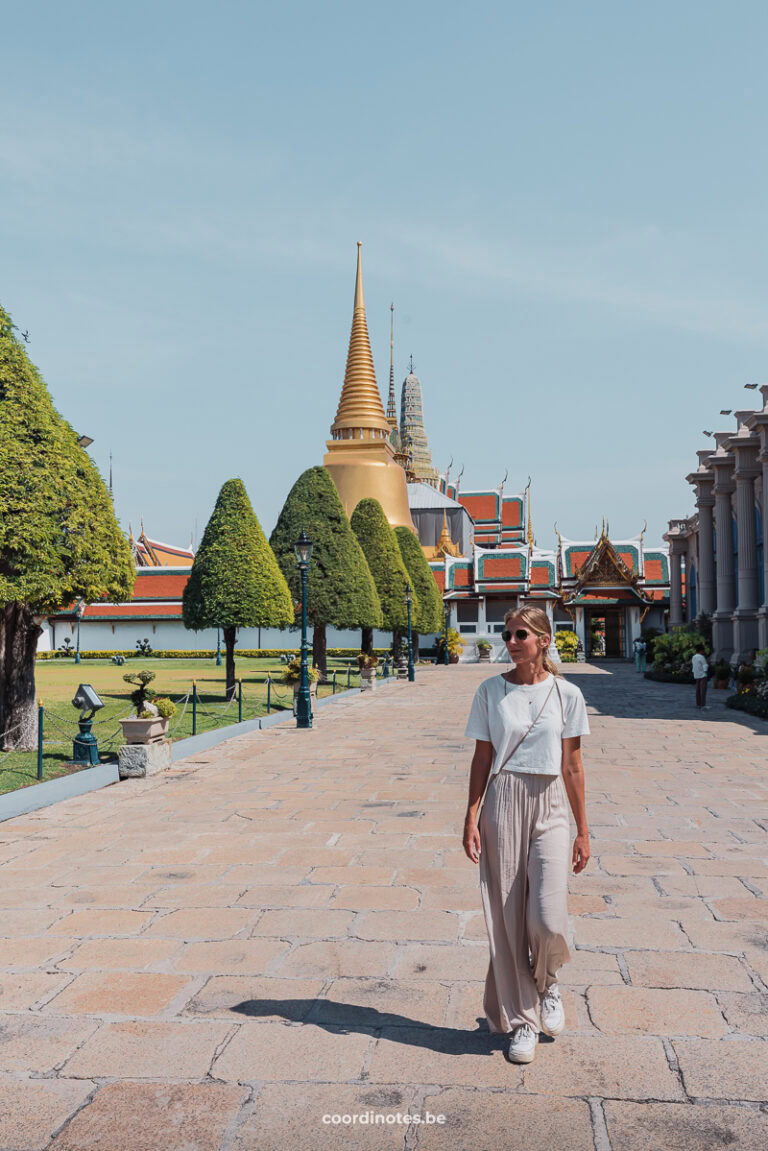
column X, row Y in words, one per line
column 360, row 413
column 391, row 406
column 530, row 522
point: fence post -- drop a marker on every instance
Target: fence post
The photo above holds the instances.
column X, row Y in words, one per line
column 39, row 739
column 349, row 673
column 194, row 707
column 269, row 691
column 334, row 681
column 239, row 701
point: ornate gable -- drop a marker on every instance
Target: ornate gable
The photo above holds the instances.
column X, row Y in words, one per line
column 605, row 567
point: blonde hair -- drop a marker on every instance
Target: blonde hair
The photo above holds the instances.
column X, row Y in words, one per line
column 538, row 621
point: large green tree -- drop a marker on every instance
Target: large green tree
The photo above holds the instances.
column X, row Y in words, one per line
column 429, row 613
column 59, row 537
column 341, row 591
column 236, row 580
column 380, row 547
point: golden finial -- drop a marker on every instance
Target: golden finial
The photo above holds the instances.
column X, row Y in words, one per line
column 530, row 522
column 360, row 406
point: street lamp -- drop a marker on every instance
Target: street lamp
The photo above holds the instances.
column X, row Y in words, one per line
column 408, row 602
column 446, row 659
column 80, row 612
column 303, row 549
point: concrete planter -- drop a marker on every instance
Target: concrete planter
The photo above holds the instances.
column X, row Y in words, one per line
column 368, row 679
column 483, row 655
column 144, row 730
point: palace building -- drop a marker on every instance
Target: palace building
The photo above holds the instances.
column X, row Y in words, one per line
column 719, row 555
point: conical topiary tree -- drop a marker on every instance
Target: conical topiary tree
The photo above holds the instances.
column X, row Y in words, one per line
column 390, row 575
column 236, row 580
column 59, row 536
column 340, row 589
column 429, row 613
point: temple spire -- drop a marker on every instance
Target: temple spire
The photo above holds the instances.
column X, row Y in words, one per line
column 530, row 521
column 391, row 406
column 360, row 414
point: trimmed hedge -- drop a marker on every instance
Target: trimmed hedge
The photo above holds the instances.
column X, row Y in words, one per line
column 246, row 653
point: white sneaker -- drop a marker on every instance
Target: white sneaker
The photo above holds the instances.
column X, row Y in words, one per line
column 552, row 1014
column 522, row 1045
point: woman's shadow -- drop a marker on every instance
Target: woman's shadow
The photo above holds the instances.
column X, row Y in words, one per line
column 348, row 1018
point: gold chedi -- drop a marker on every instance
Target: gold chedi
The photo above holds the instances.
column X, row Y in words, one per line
column 360, row 457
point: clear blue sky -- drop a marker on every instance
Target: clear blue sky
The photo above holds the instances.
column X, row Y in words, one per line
column 566, row 202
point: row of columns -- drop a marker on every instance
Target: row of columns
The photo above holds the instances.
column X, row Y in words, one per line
column 731, row 598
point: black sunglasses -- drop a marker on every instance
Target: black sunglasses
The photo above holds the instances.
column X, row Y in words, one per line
column 520, row 635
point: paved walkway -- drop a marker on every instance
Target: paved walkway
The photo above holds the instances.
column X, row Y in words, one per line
column 286, row 928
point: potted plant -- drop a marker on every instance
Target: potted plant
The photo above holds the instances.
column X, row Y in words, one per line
column 292, row 675
column 150, row 723
column 367, row 665
column 484, row 649
column 456, row 645
column 722, row 674
column 745, row 678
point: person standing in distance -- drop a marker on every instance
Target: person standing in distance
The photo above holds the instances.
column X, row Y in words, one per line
column 527, row 724
column 700, row 669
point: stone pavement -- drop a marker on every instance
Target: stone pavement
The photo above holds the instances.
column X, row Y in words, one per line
column 286, row 928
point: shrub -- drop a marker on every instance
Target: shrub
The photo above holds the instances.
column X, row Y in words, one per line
column 674, row 651
column 456, row 643
column 143, row 693
column 567, row 643
column 292, row 673
column 165, row 707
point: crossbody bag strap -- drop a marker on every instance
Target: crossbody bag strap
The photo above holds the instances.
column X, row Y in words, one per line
column 523, row 737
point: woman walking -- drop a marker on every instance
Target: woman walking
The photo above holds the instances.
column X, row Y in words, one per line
column 527, row 724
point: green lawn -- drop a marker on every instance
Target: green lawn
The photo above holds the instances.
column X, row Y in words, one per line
column 57, row 681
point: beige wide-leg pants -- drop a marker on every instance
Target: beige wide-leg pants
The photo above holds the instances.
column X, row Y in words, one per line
column 525, row 844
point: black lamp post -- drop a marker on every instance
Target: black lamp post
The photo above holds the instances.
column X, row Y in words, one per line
column 408, row 602
column 446, row 659
column 303, row 549
column 218, row 647
column 80, row 612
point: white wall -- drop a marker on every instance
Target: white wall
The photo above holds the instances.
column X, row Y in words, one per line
column 171, row 635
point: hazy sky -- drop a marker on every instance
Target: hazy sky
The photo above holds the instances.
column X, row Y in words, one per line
column 566, row 202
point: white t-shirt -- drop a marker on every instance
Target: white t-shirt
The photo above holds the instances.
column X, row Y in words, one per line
column 502, row 711
column 699, row 664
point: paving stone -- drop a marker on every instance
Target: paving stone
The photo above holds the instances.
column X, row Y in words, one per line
column 141, row 1050
column 403, row 925
column 435, row 962
column 103, row 922
column 681, row 1127
column 330, row 959
column 32, row 1109
column 307, row 895
column 623, row 1068
column 588, row 967
column 35, row 952
column 39, row 1042
column 630, row 933
column 695, row 970
column 238, row 956
column 241, row 997
column 729, row 1069
column 746, row 1013
column 154, row 1117
column 745, row 908
column 383, row 1002
column 121, row 954
column 326, row 923
column 366, row 897
column 655, row 1011
column 300, row 1117
column 446, row 1056
column 202, row 923
column 24, row 989
column 118, row 993
column 294, row 1051
column 524, row 1123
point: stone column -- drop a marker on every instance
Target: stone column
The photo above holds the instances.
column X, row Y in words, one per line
column 676, row 549
column 722, row 620
column 745, row 448
column 703, row 480
column 757, row 422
